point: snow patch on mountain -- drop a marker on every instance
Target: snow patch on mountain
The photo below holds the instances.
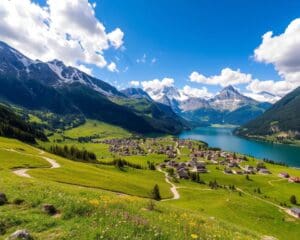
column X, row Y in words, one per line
column 229, row 99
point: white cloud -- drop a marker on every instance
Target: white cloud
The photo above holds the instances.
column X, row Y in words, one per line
column 135, row 83
column 112, row 67
column 278, row 88
column 125, row 69
column 157, row 84
column 67, row 30
column 261, row 97
column 154, row 60
column 283, row 52
column 195, row 92
column 85, row 69
column 143, row 59
column 226, row 77
column 116, row 37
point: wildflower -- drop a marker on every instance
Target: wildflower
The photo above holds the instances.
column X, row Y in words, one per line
column 94, row 202
column 194, row 236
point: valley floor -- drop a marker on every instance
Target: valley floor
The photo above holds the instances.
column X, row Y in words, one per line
column 103, row 201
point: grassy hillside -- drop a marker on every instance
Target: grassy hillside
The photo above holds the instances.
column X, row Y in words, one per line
column 158, row 115
column 109, row 202
column 280, row 123
column 102, row 214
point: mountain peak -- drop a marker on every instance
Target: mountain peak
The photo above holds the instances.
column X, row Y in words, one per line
column 230, row 88
column 57, row 62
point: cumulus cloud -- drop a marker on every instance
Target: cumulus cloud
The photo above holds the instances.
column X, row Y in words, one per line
column 263, row 97
column 226, row 77
column 283, row 52
column 157, row 84
column 116, row 37
column 135, row 83
column 112, row 67
column 155, row 88
column 158, row 88
column 85, row 69
column 67, row 30
column 195, row 92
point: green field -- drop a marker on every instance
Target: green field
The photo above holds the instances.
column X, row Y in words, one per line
column 98, row 130
column 109, row 202
column 102, row 214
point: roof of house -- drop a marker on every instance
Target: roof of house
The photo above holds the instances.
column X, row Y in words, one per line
column 295, row 210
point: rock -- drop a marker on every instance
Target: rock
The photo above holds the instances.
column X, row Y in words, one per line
column 49, row 209
column 3, row 199
column 20, row 234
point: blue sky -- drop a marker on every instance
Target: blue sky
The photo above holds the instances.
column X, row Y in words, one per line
column 172, row 39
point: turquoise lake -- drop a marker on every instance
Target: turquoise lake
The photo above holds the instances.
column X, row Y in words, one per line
column 224, row 139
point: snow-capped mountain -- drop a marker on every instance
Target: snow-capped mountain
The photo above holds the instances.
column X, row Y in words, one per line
column 55, row 87
column 228, row 106
column 230, row 99
column 54, row 73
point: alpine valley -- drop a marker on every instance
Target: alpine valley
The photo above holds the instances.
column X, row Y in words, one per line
column 80, row 159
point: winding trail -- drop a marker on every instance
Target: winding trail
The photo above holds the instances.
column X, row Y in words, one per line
column 276, row 180
column 263, row 200
column 23, row 171
column 173, row 188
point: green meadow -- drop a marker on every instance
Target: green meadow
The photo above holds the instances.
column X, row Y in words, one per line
column 98, row 201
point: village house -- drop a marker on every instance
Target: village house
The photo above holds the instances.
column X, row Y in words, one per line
column 283, row 175
column 201, row 168
column 249, row 169
column 295, row 211
column 182, row 173
column 294, row 179
column 264, row 171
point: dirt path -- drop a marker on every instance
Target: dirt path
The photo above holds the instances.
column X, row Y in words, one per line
column 23, row 172
column 277, row 180
column 173, row 188
column 263, row 200
column 177, row 149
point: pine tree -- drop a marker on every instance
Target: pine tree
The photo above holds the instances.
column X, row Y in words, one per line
column 155, row 194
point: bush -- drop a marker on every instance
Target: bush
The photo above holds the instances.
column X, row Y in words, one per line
column 293, row 199
column 18, row 201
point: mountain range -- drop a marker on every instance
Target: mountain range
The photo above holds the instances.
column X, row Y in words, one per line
column 62, row 89
column 228, row 106
column 55, row 87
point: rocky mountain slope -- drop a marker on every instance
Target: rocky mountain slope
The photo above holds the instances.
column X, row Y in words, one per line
column 62, row 89
column 228, row 106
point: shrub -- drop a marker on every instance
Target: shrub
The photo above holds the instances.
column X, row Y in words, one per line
column 293, row 199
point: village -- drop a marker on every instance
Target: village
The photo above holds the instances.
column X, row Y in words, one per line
column 196, row 157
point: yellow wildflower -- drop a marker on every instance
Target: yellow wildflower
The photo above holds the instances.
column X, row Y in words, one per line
column 194, row 236
column 94, row 202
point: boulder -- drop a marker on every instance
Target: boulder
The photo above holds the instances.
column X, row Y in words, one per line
column 20, row 234
column 49, row 209
column 3, row 199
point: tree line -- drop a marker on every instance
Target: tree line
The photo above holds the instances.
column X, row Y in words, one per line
column 74, row 153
